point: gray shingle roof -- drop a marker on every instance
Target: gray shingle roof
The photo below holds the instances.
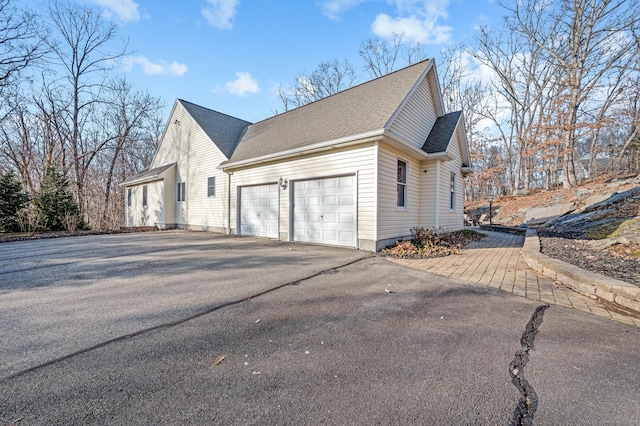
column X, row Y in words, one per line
column 225, row 131
column 147, row 175
column 441, row 133
column 360, row 109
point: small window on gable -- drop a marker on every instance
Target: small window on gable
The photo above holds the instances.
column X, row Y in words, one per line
column 211, row 187
column 452, row 199
column 182, row 187
column 128, row 197
column 144, row 196
column 402, row 185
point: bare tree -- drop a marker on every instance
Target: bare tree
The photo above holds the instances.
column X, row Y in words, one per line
column 21, row 41
column 522, row 79
column 328, row 78
column 130, row 115
column 462, row 90
column 630, row 113
column 85, row 47
column 381, row 56
column 586, row 39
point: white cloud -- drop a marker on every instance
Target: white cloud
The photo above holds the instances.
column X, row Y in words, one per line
column 155, row 68
column 219, row 13
column 242, row 85
column 122, row 10
column 417, row 20
column 332, row 9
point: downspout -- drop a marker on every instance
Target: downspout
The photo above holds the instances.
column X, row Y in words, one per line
column 126, row 206
column 229, row 202
column 437, row 218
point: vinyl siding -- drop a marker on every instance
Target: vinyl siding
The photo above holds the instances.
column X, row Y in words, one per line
column 393, row 221
column 360, row 160
column 452, row 220
column 415, row 120
column 152, row 214
column 428, row 199
column 169, row 205
column 196, row 158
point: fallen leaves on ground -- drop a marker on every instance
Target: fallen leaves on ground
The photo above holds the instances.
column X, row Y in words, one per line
column 427, row 244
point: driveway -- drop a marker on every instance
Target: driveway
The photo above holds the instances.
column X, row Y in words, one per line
column 193, row 328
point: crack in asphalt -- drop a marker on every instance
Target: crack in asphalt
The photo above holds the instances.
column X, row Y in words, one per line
column 177, row 322
column 528, row 403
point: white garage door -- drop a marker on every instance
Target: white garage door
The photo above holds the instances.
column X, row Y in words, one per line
column 259, row 210
column 324, row 211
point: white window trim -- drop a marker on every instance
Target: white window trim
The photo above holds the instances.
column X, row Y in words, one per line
column 145, row 196
column 406, row 186
column 452, row 193
column 209, row 186
column 181, row 189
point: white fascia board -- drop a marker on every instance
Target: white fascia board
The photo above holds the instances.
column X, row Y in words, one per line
column 307, row 149
column 143, row 180
column 147, row 179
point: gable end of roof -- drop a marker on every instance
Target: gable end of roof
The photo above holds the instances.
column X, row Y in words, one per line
column 224, row 130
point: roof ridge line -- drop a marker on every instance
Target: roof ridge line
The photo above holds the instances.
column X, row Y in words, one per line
column 345, row 90
column 212, row 110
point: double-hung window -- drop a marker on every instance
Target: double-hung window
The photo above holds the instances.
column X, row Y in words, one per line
column 402, row 185
column 452, row 196
column 144, row 196
column 128, row 197
column 211, row 187
column 182, row 189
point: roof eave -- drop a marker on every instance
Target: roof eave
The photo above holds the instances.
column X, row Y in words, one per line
column 462, row 138
column 418, row 152
column 308, row 149
column 439, row 156
column 146, row 179
column 150, row 178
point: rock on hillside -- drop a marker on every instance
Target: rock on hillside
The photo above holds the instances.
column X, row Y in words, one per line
column 544, row 206
column 595, row 226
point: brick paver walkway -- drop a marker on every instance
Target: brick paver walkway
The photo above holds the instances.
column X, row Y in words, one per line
column 495, row 261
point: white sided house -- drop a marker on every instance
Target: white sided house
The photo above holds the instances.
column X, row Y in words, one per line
column 359, row 168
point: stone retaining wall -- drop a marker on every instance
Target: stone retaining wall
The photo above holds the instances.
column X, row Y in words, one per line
column 588, row 283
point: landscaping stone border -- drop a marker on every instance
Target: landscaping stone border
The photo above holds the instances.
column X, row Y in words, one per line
column 501, row 228
column 596, row 286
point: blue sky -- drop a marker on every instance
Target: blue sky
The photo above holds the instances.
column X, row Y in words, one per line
column 230, row 55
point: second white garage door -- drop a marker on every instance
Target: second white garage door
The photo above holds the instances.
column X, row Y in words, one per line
column 324, row 211
column 259, row 210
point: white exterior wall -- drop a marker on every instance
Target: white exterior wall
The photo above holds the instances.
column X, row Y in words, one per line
column 428, row 196
column 452, row 220
column 347, row 161
column 415, row 120
column 169, row 205
column 197, row 158
column 152, row 214
column 393, row 221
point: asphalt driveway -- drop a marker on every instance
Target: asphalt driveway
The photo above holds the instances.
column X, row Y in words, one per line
column 193, row 328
